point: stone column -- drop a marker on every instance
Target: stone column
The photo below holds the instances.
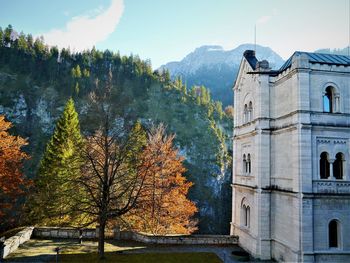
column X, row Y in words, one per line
column 336, row 103
column 331, row 175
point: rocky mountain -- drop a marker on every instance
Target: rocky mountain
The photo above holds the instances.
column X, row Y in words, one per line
column 216, row 68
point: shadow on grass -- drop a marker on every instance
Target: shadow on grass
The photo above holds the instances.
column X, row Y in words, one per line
column 43, row 250
column 143, row 258
column 198, row 257
column 29, row 259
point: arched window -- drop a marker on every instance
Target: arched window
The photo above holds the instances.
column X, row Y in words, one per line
column 245, row 214
column 245, row 113
column 250, row 111
column 244, row 163
column 328, row 100
column 333, row 233
column 338, row 167
column 324, row 166
column 249, row 164
column 247, row 217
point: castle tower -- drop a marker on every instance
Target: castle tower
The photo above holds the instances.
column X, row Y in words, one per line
column 291, row 168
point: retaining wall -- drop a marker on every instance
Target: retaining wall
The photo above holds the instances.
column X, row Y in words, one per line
column 92, row 233
column 185, row 239
column 12, row 243
column 68, row 232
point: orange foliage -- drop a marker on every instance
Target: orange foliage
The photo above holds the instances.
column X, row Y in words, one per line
column 12, row 181
column 163, row 207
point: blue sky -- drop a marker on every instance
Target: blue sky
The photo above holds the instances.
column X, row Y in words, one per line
column 167, row 30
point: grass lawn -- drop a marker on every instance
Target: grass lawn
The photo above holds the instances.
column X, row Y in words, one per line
column 43, row 250
column 199, row 257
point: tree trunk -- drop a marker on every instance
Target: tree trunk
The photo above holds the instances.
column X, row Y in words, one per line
column 101, row 239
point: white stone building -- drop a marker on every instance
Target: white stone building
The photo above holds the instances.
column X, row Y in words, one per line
column 291, row 166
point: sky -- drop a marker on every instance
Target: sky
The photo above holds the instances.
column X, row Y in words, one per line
column 167, row 30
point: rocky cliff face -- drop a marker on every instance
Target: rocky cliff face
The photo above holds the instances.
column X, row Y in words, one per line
column 33, row 105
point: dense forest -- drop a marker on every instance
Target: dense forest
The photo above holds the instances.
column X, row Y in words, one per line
column 36, row 81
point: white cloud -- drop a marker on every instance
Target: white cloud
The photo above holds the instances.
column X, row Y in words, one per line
column 83, row 32
column 263, row 19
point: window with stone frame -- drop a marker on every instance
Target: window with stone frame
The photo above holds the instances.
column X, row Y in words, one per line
column 338, row 166
column 250, row 111
column 324, row 166
column 245, row 215
column 244, row 164
column 249, row 164
column 328, row 100
column 245, row 113
column 334, row 234
column 331, row 100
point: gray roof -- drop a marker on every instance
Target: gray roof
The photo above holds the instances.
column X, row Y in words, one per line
column 250, row 57
column 319, row 58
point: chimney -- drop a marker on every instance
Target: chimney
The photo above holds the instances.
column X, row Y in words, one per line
column 249, row 54
column 250, row 57
column 263, row 65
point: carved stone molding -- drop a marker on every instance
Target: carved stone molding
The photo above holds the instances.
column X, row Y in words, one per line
column 335, row 187
column 326, row 140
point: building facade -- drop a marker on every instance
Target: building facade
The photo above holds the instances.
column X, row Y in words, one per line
column 291, row 165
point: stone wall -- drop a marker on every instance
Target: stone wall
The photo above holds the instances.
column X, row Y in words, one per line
column 12, row 243
column 186, row 240
column 91, row 233
column 67, row 232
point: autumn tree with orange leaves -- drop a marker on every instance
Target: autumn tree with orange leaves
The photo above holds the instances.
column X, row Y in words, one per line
column 163, row 207
column 120, row 169
column 12, row 181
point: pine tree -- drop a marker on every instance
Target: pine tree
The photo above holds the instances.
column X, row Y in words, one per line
column 59, row 167
column 137, row 141
column 1, row 36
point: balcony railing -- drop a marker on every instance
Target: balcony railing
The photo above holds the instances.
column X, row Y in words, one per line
column 331, row 186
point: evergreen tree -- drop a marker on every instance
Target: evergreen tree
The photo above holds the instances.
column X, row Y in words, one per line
column 59, row 168
column 7, row 35
column 137, row 141
column 1, row 36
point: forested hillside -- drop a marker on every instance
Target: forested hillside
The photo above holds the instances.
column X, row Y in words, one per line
column 37, row 80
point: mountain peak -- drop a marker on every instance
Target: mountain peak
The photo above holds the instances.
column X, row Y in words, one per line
column 211, row 55
column 207, row 48
column 216, row 68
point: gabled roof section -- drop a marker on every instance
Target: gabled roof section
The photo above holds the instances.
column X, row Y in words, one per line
column 319, row 58
column 249, row 55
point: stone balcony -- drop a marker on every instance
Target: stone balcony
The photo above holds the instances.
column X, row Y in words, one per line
column 331, row 186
